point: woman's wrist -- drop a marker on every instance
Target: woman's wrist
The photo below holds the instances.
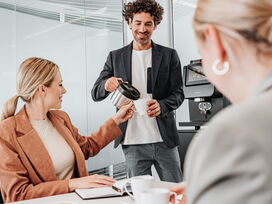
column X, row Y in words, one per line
column 116, row 120
column 71, row 185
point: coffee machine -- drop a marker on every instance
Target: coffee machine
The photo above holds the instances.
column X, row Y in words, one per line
column 204, row 102
column 203, row 98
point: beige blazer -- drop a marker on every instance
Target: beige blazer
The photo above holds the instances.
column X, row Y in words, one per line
column 26, row 169
column 230, row 161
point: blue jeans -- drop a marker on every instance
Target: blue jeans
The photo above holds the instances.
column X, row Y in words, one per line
column 140, row 158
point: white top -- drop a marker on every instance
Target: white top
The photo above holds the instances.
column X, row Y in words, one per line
column 60, row 152
column 141, row 129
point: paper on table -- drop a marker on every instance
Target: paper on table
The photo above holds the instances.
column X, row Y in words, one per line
column 97, row 192
column 116, row 190
column 120, row 185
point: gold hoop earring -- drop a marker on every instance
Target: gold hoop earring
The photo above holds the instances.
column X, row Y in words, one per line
column 223, row 71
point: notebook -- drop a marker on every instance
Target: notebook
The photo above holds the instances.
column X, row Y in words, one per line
column 104, row 192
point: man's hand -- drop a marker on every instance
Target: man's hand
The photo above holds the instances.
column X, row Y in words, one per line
column 112, row 84
column 153, row 108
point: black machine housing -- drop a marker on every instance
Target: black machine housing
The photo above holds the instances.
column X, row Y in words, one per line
column 204, row 102
column 204, row 99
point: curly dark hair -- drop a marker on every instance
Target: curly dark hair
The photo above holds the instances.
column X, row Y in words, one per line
column 146, row 6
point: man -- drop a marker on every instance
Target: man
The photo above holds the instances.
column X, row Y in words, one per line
column 152, row 138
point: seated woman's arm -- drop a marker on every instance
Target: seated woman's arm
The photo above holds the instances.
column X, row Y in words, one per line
column 92, row 144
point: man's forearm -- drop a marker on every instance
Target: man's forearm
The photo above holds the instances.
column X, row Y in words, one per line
column 98, row 92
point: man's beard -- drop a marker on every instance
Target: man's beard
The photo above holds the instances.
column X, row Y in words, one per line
column 142, row 41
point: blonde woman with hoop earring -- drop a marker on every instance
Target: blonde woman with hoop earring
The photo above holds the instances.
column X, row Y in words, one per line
column 229, row 162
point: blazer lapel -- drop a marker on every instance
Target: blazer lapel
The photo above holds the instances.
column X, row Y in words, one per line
column 156, row 62
column 34, row 148
column 126, row 58
column 59, row 124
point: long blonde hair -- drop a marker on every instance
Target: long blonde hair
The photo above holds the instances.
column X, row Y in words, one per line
column 249, row 19
column 32, row 72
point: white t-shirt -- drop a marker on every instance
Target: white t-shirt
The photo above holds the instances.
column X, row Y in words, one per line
column 141, row 129
column 60, row 152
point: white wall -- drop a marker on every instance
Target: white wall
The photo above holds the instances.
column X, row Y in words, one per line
column 7, row 54
column 184, row 43
column 99, row 112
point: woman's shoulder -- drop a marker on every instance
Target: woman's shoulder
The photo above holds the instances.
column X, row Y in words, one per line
column 248, row 122
column 60, row 114
column 246, row 115
column 7, row 127
column 7, row 123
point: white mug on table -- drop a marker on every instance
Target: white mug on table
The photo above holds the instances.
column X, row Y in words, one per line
column 138, row 184
column 156, row 196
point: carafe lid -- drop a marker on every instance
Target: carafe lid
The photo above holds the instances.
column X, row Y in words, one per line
column 128, row 90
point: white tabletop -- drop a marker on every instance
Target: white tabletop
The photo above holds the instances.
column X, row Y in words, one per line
column 73, row 198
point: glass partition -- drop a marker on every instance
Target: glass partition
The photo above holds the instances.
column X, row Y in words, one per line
column 99, row 41
column 184, row 42
column 78, row 36
column 7, row 51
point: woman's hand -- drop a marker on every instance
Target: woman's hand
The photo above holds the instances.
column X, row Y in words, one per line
column 93, row 181
column 124, row 113
column 179, row 189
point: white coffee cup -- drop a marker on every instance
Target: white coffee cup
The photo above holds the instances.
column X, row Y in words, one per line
column 138, row 184
column 141, row 105
column 156, row 195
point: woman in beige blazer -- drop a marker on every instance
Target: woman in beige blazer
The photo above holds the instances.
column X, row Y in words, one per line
column 42, row 153
column 229, row 162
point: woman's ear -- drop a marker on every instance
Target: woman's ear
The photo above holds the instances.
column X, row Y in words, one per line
column 42, row 89
column 213, row 38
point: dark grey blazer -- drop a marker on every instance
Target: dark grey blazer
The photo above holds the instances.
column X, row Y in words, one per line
column 166, row 86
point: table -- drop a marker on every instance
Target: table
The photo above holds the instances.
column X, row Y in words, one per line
column 77, row 200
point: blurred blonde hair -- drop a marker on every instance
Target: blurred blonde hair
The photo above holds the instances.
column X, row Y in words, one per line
column 250, row 19
column 32, row 72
